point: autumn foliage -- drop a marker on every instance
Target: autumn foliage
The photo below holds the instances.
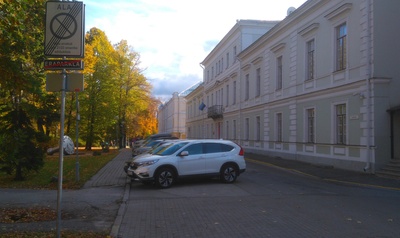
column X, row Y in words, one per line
column 116, row 103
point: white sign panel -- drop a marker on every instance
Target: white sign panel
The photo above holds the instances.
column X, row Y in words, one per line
column 54, row 82
column 64, row 29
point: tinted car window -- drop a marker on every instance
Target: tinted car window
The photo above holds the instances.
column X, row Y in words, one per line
column 216, row 148
column 226, row 148
column 194, row 149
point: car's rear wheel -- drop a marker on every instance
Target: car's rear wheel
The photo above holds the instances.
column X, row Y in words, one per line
column 229, row 173
column 164, row 177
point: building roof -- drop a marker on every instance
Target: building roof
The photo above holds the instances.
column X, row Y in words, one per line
column 190, row 89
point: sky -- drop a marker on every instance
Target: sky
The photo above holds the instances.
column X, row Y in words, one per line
column 174, row 36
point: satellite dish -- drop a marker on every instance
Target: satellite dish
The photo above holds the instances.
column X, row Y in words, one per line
column 68, row 145
column 290, row 10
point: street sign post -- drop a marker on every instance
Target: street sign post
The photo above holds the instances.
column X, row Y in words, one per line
column 64, row 35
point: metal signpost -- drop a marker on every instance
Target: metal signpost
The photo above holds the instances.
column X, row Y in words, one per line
column 64, row 37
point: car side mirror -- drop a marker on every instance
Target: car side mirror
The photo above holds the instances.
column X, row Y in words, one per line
column 184, row 153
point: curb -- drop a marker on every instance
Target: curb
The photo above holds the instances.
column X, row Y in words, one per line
column 122, row 209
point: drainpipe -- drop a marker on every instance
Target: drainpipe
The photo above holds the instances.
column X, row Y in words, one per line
column 202, row 100
column 368, row 84
column 239, row 86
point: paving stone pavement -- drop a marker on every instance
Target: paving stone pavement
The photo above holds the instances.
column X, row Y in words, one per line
column 106, row 196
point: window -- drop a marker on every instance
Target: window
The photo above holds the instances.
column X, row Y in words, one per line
column 212, row 73
column 216, row 148
column 341, row 50
column 195, row 149
column 310, row 59
column 172, row 148
column 341, row 124
column 310, row 125
column 234, row 93
column 227, row 95
column 247, row 129
column 247, row 88
column 234, row 54
column 258, row 82
column 279, row 127
column 227, row 60
column 234, row 129
column 258, row 128
column 279, row 73
column 222, row 97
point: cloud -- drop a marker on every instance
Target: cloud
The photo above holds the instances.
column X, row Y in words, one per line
column 165, row 87
column 174, row 36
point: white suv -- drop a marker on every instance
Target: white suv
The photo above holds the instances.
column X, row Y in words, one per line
column 189, row 158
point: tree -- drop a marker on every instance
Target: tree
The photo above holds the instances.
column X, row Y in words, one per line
column 21, row 85
column 98, row 99
column 134, row 90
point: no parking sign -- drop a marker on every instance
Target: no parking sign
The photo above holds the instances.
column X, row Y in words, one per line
column 64, row 29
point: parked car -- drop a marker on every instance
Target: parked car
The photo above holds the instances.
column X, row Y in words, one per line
column 146, row 147
column 189, row 158
column 153, row 150
column 149, row 139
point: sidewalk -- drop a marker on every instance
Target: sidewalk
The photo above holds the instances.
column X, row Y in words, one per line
column 93, row 208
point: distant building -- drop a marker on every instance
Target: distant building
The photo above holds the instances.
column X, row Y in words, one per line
column 321, row 86
column 172, row 114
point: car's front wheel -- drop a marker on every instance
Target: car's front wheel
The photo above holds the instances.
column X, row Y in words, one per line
column 229, row 173
column 164, row 178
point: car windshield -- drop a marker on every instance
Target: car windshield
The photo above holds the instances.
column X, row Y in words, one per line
column 172, row 148
column 157, row 148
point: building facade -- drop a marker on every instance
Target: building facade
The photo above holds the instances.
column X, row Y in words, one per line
column 221, row 68
column 321, row 86
column 171, row 116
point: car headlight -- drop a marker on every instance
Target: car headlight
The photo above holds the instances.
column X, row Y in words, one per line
column 147, row 163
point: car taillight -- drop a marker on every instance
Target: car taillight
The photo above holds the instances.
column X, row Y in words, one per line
column 241, row 152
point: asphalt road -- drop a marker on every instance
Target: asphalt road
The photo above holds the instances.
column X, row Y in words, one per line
column 264, row 202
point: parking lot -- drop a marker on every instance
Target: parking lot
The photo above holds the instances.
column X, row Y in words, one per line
column 264, row 202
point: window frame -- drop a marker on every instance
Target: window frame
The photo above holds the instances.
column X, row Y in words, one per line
column 310, row 59
column 247, row 87
column 279, row 73
column 247, row 129
column 310, row 125
column 279, row 127
column 258, row 82
column 341, row 46
column 234, row 92
column 258, row 128
column 340, row 123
